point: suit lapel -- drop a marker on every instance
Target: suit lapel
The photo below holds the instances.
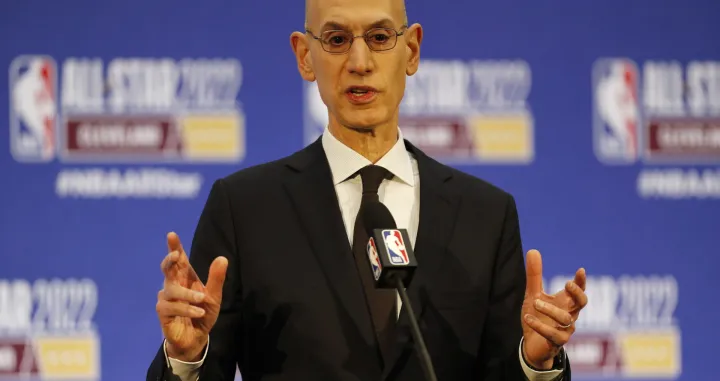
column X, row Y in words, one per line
column 438, row 210
column 315, row 201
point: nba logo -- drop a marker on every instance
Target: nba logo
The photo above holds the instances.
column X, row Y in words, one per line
column 374, row 259
column 616, row 111
column 396, row 247
column 33, row 108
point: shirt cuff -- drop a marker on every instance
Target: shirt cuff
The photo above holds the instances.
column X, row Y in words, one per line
column 534, row 375
column 186, row 371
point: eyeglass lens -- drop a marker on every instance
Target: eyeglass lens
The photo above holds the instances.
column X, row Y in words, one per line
column 337, row 41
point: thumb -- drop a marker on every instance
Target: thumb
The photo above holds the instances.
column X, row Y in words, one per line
column 581, row 278
column 534, row 272
column 216, row 277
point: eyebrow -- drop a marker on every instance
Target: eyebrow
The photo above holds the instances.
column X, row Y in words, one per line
column 334, row 25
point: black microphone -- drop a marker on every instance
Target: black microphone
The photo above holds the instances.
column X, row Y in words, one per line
column 393, row 265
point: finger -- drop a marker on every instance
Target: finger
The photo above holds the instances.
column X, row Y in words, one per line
column 168, row 262
column 552, row 334
column 581, row 278
column 561, row 316
column 173, row 243
column 216, row 277
column 534, row 272
column 579, row 297
column 174, row 292
column 168, row 309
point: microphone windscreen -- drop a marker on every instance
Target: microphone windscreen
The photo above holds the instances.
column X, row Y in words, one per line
column 377, row 216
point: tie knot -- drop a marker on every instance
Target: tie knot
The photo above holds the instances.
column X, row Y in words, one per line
column 372, row 176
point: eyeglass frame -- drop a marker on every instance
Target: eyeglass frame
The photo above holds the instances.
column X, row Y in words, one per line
column 353, row 37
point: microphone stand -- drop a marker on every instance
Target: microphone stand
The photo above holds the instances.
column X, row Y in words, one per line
column 417, row 336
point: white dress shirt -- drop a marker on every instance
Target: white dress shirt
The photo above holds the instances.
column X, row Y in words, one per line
column 401, row 195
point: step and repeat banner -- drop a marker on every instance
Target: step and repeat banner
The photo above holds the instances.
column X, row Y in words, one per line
column 602, row 118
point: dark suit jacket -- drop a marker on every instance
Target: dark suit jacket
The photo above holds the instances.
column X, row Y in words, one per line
column 293, row 306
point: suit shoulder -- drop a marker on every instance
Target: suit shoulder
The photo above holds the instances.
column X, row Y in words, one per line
column 257, row 174
column 273, row 172
column 477, row 194
column 479, row 184
column 474, row 186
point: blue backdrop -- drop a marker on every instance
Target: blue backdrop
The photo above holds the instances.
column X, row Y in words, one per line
column 602, row 118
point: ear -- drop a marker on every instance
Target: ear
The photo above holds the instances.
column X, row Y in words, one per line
column 300, row 47
column 413, row 38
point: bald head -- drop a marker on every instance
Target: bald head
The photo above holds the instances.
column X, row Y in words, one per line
column 325, row 54
column 311, row 5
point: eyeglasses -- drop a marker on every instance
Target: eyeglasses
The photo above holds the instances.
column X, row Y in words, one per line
column 340, row 41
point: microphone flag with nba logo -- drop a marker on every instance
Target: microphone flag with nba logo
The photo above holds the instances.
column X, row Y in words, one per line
column 389, row 249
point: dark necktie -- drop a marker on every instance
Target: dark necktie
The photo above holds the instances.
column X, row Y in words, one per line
column 381, row 302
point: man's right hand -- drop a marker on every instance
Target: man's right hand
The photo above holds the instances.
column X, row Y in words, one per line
column 187, row 309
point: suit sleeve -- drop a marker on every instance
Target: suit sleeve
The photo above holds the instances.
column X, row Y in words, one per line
column 497, row 356
column 215, row 235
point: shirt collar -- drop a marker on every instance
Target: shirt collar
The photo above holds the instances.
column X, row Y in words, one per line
column 344, row 161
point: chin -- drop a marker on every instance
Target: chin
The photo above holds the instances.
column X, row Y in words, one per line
column 367, row 119
column 360, row 128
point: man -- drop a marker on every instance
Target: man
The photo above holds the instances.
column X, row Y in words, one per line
column 284, row 291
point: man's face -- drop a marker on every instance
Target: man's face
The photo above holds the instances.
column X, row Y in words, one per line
column 362, row 88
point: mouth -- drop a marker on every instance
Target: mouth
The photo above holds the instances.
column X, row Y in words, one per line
column 360, row 94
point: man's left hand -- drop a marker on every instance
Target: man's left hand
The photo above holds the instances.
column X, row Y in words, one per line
column 548, row 321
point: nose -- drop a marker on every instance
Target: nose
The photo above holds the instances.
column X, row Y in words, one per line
column 360, row 60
